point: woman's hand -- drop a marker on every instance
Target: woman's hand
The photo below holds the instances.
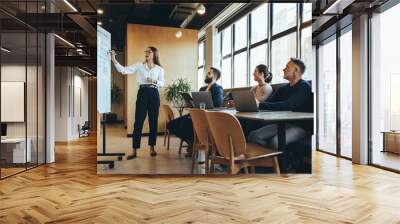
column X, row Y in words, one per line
column 231, row 103
column 112, row 54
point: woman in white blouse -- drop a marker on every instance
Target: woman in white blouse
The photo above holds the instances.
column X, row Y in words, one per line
column 150, row 76
column 264, row 89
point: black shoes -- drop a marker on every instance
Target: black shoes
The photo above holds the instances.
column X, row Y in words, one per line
column 131, row 157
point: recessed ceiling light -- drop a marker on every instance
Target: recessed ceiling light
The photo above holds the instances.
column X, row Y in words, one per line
column 5, row 50
column 64, row 40
column 100, row 11
column 84, row 71
column 70, row 5
column 99, row 23
column 178, row 34
column 201, row 9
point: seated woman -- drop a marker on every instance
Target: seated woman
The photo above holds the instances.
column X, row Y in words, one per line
column 264, row 89
column 182, row 127
column 261, row 92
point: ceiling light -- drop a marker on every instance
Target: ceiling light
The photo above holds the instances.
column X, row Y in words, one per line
column 99, row 23
column 178, row 34
column 5, row 50
column 201, row 9
column 100, row 11
column 337, row 7
column 65, row 41
column 43, row 7
column 79, row 50
column 70, row 5
column 84, row 71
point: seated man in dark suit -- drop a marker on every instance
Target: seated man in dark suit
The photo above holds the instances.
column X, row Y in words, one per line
column 182, row 127
column 295, row 96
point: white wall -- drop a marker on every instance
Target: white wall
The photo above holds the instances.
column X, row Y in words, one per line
column 71, row 102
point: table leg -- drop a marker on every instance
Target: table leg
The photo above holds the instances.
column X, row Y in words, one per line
column 282, row 146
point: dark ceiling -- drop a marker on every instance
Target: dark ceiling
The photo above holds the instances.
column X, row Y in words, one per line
column 79, row 27
column 117, row 16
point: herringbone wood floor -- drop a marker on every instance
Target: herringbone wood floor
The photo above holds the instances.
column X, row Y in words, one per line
column 70, row 191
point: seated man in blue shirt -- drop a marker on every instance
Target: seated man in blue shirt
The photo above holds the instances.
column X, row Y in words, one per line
column 182, row 127
column 295, row 96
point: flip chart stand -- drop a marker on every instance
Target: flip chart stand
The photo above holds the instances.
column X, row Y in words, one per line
column 104, row 153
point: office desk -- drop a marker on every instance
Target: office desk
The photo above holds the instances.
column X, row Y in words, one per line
column 13, row 150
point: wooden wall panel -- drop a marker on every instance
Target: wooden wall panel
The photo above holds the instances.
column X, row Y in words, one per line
column 178, row 56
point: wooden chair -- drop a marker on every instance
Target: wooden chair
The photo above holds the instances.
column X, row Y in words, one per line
column 230, row 143
column 201, row 137
column 169, row 114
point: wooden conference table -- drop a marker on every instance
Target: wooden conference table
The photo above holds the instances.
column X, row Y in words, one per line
column 278, row 117
column 281, row 118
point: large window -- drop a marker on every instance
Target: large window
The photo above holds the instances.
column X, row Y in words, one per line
column 245, row 43
column 226, row 78
column 282, row 49
column 240, row 79
column 307, row 12
column 307, row 54
column 284, row 16
column 241, row 33
column 201, row 62
column 258, row 55
column 227, row 41
column 327, row 96
column 385, row 87
column 346, row 94
column 259, row 24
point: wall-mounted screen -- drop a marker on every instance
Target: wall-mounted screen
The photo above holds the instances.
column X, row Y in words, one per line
column 12, row 101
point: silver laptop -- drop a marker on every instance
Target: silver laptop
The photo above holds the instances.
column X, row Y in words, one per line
column 202, row 97
column 245, row 101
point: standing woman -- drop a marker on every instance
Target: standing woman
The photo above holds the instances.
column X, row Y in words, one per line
column 150, row 76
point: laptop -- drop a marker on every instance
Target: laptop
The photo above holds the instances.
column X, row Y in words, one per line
column 245, row 101
column 188, row 99
column 202, row 97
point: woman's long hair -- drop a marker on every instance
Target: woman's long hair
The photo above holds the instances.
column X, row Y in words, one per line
column 156, row 57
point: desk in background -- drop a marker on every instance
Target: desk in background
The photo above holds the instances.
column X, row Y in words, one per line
column 13, row 150
column 391, row 141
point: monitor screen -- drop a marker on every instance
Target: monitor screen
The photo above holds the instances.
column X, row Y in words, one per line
column 3, row 129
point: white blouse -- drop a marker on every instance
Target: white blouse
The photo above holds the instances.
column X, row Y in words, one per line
column 262, row 92
column 143, row 72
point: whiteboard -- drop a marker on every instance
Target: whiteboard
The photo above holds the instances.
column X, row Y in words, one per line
column 103, row 71
column 12, row 101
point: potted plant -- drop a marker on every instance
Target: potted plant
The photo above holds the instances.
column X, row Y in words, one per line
column 172, row 93
column 116, row 94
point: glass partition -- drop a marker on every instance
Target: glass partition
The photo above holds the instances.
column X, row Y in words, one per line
column 385, row 89
column 22, row 90
column 327, row 96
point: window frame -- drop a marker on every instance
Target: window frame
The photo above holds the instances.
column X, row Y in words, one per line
column 298, row 28
column 334, row 37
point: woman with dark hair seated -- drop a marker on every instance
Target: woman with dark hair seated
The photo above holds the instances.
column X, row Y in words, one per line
column 263, row 76
column 182, row 127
